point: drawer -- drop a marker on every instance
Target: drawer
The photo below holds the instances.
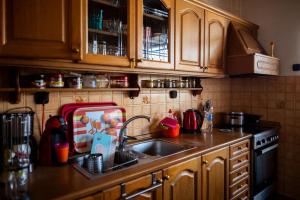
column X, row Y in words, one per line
column 239, row 161
column 238, row 187
column 239, row 174
column 239, row 148
column 244, row 195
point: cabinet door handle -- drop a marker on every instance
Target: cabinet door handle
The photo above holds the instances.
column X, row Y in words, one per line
column 75, row 50
column 166, row 177
column 205, row 68
column 139, row 60
column 205, row 162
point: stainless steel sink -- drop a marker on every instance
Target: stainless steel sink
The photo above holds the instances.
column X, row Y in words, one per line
column 158, row 148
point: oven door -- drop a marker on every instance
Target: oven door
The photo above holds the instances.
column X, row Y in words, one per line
column 265, row 167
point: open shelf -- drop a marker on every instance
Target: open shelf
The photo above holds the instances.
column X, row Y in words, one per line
column 92, row 30
column 154, row 16
column 108, row 3
column 67, row 89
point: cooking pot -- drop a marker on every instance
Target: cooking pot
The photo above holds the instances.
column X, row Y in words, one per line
column 234, row 118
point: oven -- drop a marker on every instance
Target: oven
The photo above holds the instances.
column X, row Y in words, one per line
column 264, row 164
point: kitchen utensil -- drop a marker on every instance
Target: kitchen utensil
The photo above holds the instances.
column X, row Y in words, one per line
column 104, row 144
column 192, row 121
column 234, row 118
column 17, row 144
column 88, row 121
column 94, row 163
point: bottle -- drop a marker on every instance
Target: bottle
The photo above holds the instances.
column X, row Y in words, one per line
column 210, row 120
column 207, row 125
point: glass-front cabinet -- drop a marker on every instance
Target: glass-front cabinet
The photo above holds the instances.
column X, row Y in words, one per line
column 130, row 33
column 109, row 32
column 155, row 34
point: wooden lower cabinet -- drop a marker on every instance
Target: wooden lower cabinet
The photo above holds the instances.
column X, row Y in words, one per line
column 214, row 175
column 182, row 181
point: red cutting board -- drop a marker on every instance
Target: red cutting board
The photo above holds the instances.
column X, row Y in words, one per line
column 88, row 121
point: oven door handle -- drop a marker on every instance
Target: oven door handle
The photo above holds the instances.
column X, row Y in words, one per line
column 266, row 150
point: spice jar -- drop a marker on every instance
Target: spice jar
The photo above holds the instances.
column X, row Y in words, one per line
column 167, row 83
column 56, row 80
column 147, row 83
column 178, row 83
column 102, row 81
column 75, row 82
column 39, row 82
column 185, row 83
column 89, row 81
column 157, row 83
column 119, row 81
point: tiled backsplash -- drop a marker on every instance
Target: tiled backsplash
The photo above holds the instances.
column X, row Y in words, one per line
column 276, row 99
column 154, row 103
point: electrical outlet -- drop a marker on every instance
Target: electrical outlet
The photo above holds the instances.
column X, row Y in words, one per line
column 41, row 97
column 296, row 67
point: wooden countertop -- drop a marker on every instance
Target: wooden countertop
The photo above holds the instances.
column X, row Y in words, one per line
column 65, row 182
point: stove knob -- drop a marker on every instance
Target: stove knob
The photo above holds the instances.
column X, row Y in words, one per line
column 258, row 143
column 263, row 141
column 269, row 139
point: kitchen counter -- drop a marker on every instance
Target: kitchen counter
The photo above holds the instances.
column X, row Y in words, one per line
column 65, row 182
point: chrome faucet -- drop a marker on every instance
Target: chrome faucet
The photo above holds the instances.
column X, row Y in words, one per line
column 122, row 137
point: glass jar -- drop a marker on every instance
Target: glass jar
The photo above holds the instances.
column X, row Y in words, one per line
column 56, row 80
column 147, row 83
column 102, row 81
column 75, row 82
column 157, row 83
column 39, row 82
column 119, row 82
column 89, row 81
column 168, row 83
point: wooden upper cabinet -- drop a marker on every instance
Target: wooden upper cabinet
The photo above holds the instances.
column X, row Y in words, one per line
column 182, row 181
column 216, row 27
column 215, row 175
column 109, row 32
column 155, row 34
column 189, row 37
column 41, row 28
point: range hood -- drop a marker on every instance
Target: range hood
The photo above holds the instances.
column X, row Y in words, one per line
column 246, row 56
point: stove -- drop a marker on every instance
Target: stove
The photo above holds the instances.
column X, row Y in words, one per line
column 264, row 157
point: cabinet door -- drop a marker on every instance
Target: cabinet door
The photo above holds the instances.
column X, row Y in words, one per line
column 182, row 181
column 41, row 28
column 109, row 32
column 189, row 37
column 155, row 38
column 137, row 186
column 216, row 27
column 215, row 175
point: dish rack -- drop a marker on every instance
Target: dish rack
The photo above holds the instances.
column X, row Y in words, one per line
column 121, row 160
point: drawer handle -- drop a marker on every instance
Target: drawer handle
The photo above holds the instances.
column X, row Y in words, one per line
column 205, row 162
column 239, row 174
column 240, row 148
column 149, row 189
column 240, row 186
column 239, row 161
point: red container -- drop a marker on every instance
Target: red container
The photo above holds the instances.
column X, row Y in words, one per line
column 62, row 152
column 171, row 132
